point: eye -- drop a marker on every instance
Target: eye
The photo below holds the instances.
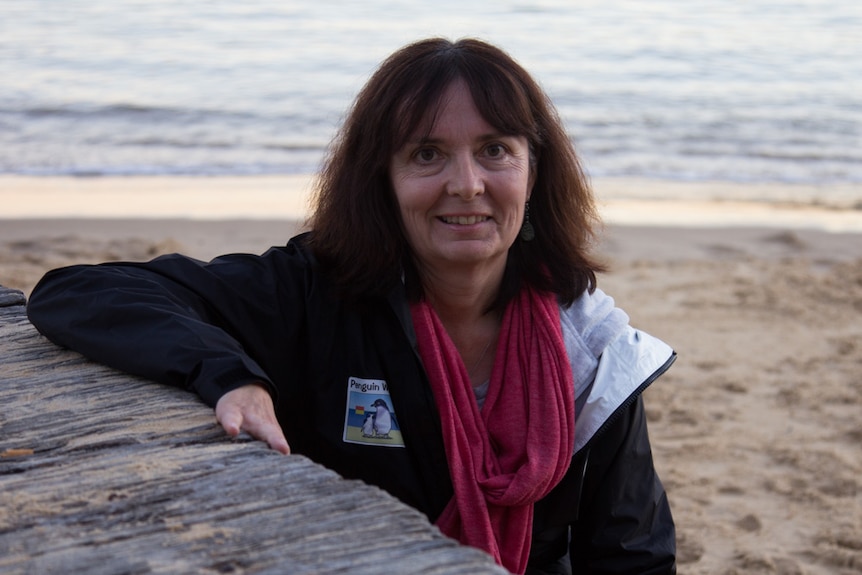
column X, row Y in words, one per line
column 495, row 150
column 425, row 155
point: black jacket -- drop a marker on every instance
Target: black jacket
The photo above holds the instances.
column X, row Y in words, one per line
column 213, row 327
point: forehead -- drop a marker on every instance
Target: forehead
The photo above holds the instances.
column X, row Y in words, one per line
column 455, row 113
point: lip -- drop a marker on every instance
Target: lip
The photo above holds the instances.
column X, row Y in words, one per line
column 464, row 220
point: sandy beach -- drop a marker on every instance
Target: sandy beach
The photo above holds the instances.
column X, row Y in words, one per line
column 757, row 428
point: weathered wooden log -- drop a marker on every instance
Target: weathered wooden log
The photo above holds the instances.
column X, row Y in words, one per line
column 101, row 472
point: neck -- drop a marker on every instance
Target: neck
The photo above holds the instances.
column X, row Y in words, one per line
column 462, row 301
column 462, row 297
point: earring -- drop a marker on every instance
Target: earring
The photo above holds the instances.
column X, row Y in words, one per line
column 527, row 232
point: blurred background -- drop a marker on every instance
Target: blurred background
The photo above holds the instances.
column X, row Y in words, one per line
column 696, row 90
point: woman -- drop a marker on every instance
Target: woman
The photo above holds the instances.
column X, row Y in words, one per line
column 438, row 333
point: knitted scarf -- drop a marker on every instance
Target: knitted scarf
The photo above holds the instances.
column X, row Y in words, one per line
column 510, row 454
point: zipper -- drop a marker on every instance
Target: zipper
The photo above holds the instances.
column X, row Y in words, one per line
column 631, row 399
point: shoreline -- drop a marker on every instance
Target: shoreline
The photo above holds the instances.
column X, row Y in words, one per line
column 205, row 239
column 621, row 201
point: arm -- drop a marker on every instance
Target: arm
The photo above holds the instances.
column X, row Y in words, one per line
column 159, row 320
column 625, row 524
column 209, row 328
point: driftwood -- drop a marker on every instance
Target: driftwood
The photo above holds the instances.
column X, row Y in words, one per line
column 101, row 472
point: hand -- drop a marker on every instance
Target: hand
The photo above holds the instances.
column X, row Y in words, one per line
column 249, row 408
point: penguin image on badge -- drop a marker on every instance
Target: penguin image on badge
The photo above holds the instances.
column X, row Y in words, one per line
column 368, row 425
column 382, row 419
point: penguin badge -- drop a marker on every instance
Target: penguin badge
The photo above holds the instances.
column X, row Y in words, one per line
column 370, row 415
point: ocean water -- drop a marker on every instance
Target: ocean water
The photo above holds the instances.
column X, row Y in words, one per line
column 732, row 90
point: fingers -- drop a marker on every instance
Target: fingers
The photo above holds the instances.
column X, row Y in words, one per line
column 250, row 409
column 230, row 418
column 276, row 440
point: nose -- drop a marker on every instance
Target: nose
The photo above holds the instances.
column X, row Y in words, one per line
column 465, row 177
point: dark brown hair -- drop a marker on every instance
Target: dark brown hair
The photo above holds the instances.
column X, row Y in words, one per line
column 357, row 231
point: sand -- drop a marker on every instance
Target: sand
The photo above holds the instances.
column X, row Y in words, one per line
column 757, row 428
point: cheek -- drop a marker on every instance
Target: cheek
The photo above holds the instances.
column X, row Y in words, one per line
column 412, row 207
column 515, row 190
column 413, row 197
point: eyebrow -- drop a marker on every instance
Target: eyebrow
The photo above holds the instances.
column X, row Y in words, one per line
column 482, row 138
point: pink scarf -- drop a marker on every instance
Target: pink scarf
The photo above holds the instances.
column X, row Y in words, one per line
column 512, row 453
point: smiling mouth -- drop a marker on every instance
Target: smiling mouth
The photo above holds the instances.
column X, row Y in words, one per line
column 464, row 220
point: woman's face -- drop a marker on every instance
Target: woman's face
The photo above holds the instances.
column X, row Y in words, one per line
column 461, row 188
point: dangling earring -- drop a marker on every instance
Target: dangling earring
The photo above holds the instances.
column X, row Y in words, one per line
column 527, row 232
